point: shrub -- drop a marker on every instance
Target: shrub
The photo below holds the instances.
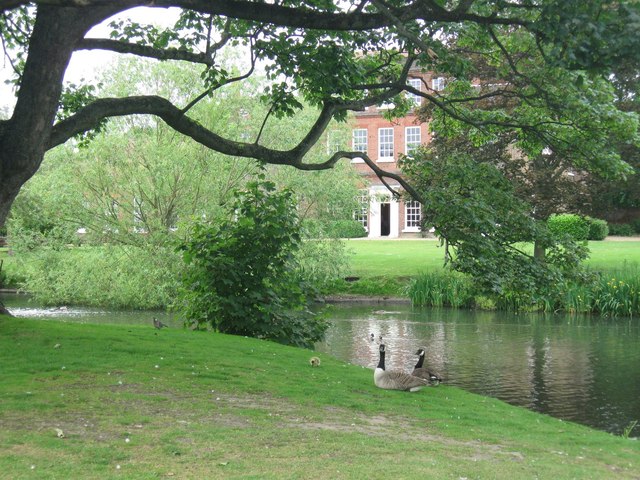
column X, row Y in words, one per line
column 598, row 229
column 241, row 277
column 621, row 229
column 321, row 263
column 570, row 224
column 345, row 229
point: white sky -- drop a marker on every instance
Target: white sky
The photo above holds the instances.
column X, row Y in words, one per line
column 89, row 64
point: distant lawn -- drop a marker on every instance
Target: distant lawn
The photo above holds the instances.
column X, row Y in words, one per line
column 406, row 258
column 131, row 402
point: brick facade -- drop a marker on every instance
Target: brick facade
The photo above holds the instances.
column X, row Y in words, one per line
column 386, row 217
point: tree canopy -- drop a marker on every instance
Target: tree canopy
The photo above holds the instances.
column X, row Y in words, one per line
column 334, row 56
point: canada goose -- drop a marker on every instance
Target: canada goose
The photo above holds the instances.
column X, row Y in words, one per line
column 158, row 324
column 422, row 372
column 314, row 361
column 393, row 380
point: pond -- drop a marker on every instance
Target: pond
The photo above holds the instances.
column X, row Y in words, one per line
column 583, row 369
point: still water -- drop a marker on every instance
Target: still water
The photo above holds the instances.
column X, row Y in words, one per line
column 584, row 369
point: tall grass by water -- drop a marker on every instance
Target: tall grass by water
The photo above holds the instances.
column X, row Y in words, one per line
column 613, row 293
column 441, row 289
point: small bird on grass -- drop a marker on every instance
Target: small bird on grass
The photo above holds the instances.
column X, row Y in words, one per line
column 158, row 324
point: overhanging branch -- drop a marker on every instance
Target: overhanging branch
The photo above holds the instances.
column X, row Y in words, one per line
column 296, row 17
column 144, row 50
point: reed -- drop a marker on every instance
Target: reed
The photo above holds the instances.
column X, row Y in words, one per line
column 613, row 293
column 617, row 292
column 441, row 289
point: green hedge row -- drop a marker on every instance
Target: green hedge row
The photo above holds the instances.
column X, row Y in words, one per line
column 625, row 229
column 578, row 227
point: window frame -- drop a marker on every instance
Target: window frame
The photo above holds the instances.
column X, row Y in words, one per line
column 385, row 131
column 414, row 144
column 417, row 84
column 358, row 146
column 412, row 216
column 438, row 84
column 362, row 214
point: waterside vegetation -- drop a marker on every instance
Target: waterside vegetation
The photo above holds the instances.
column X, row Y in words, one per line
column 611, row 286
column 383, row 268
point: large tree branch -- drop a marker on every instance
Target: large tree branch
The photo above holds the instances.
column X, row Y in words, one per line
column 90, row 116
column 382, row 174
column 297, row 17
column 144, row 50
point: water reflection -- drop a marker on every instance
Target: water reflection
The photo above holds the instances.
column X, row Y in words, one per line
column 585, row 369
column 22, row 306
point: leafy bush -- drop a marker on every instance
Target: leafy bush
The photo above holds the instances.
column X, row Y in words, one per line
column 621, row 229
column 598, row 229
column 636, row 225
column 241, row 277
column 575, row 226
column 345, row 229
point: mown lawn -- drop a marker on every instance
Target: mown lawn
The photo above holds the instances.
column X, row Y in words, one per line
column 410, row 257
column 132, row 402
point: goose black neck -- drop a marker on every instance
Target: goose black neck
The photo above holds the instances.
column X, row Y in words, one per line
column 420, row 361
column 381, row 362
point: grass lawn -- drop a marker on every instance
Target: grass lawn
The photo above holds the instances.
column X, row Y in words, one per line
column 137, row 403
column 411, row 257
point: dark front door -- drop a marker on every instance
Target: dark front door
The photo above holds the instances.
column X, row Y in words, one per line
column 385, row 219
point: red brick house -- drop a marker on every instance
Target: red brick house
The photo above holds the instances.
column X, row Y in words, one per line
column 384, row 141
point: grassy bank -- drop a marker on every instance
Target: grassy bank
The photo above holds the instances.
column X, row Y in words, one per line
column 133, row 402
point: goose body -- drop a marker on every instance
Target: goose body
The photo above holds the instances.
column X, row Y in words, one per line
column 422, row 372
column 394, row 380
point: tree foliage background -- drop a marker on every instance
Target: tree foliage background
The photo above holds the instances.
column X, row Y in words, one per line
column 544, row 70
column 553, row 58
column 143, row 186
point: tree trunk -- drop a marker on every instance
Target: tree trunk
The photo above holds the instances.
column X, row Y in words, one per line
column 24, row 138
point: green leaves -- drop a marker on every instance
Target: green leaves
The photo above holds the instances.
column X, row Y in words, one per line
column 473, row 207
column 242, row 276
column 595, row 35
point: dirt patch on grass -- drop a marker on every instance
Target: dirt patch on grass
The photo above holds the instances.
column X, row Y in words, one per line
column 177, row 410
column 398, row 428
